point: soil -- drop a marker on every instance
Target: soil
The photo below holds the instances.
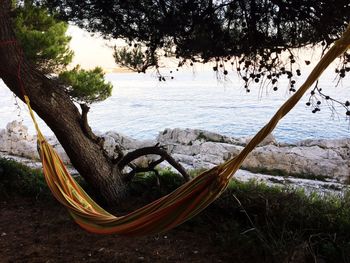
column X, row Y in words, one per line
column 42, row 231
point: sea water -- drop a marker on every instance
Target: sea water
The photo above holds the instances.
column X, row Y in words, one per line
column 141, row 106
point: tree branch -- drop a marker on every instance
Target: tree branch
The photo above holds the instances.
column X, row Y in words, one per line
column 84, row 122
column 150, row 167
column 156, row 150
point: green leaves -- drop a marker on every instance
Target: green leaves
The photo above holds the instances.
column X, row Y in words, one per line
column 45, row 44
column 86, row 86
column 43, row 38
column 134, row 58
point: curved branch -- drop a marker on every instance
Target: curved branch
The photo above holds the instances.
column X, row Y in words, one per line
column 156, row 150
column 136, row 169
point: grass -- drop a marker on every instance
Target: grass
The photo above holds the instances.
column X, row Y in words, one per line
column 284, row 224
column 258, row 222
column 271, row 224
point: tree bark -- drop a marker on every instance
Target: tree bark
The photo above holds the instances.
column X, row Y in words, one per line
column 54, row 106
column 153, row 150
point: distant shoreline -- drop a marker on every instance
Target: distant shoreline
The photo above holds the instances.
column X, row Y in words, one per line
column 117, row 70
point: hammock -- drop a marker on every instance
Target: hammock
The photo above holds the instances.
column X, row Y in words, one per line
column 180, row 205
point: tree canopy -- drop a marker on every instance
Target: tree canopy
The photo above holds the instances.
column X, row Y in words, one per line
column 256, row 38
column 43, row 38
column 208, row 29
column 251, row 35
column 87, row 85
column 45, row 43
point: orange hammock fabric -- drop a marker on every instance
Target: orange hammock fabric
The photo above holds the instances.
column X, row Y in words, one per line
column 178, row 206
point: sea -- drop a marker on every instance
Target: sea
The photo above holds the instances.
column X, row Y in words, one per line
column 141, row 106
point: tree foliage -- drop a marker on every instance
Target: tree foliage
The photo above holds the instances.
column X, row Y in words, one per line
column 45, row 43
column 208, row 29
column 256, row 38
column 134, row 58
column 43, row 38
column 87, row 86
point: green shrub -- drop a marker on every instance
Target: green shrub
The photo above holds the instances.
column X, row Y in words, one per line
column 150, row 185
column 279, row 223
column 18, row 179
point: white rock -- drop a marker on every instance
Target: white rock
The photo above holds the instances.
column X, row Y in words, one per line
column 126, row 142
column 109, row 145
column 186, row 149
column 188, row 136
column 311, row 160
column 200, row 164
column 334, row 143
column 177, row 136
column 183, row 158
column 269, row 140
column 219, row 149
column 197, row 149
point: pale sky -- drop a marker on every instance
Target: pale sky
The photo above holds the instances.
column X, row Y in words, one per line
column 91, row 51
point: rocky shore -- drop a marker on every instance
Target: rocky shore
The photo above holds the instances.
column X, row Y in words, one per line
column 325, row 160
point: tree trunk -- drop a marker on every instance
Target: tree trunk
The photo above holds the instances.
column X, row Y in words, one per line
column 54, row 106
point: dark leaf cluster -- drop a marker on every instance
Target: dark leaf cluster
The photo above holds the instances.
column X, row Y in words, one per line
column 206, row 29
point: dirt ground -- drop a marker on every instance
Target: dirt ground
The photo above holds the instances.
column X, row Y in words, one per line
column 42, row 231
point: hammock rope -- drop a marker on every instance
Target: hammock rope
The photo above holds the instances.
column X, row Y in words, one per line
column 180, row 205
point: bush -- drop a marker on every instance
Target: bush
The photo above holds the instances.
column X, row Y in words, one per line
column 279, row 224
column 18, row 179
column 152, row 186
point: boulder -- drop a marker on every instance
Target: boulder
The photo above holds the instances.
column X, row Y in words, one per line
column 125, row 142
column 312, row 161
column 188, row 136
column 269, row 140
column 198, row 149
column 15, row 140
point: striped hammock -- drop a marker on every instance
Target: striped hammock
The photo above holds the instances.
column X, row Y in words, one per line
column 178, row 206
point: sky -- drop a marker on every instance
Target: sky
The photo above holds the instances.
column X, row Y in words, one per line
column 91, row 51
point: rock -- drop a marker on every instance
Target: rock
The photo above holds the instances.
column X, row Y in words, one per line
column 210, row 158
column 177, row 136
column 223, row 150
column 109, row 145
column 188, row 136
column 17, row 127
column 200, row 164
column 307, row 161
column 185, row 149
column 126, row 142
column 269, row 140
column 15, row 140
column 198, row 149
column 334, row 143
column 183, row 158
